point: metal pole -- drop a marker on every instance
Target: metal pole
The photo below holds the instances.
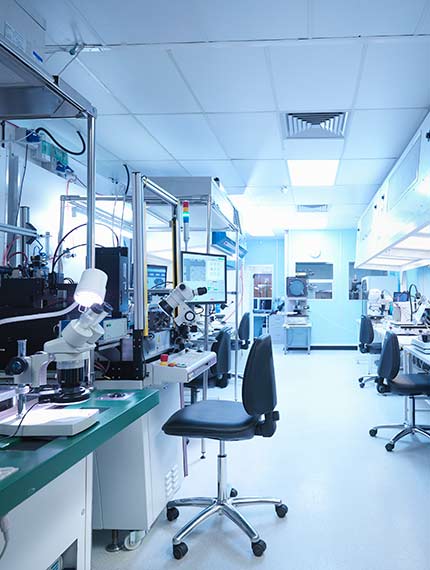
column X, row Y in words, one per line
column 138, row 273
column 12, row 175
column 60, row 234
column 91, row 190
column 236, row 317
column 24, row 218
column 160, row 192
column 206, row 336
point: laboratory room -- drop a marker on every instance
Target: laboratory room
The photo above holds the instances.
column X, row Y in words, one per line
column 215, row 284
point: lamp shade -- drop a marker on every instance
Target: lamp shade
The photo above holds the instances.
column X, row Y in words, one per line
column 91, row 287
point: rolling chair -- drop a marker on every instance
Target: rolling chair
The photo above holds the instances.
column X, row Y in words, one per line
column 367, row 346
column 244, row 331
column 407, row 385
column 219, row 372
column 230, row 421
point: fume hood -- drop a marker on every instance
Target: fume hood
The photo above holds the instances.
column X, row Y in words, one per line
column 394, row 232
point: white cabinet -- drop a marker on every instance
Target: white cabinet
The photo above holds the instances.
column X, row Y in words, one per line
column 276, row 329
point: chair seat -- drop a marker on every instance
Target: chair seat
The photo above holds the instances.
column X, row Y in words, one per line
column 375, row 348
column 411, row 384
column 213, row 419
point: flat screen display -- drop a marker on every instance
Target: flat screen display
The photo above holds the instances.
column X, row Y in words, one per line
column 156, row 276
column 206, row 270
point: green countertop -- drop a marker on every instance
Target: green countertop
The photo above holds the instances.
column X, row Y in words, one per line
column 40, row 466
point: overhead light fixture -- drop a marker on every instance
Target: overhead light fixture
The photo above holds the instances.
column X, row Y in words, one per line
column 313, row 172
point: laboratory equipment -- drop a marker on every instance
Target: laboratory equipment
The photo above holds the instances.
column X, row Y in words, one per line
column 297, row 287
column 206, row 270
column 71, row 353
column 157, row 276
column 179, row 298
column 183, row 366
column 114, row 261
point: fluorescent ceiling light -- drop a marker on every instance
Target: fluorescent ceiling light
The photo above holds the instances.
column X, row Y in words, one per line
column 313, row 172
column 388, row 261
column 415, row 242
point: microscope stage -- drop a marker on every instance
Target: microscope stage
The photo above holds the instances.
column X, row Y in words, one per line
column 48, row 420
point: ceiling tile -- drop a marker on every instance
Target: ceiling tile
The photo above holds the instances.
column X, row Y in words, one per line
column 184, row 136
column 144, row 79
column 126, row 138
column 364, row 171
column 248, row 135
column 333, row 18
column 337, row 195
column 316, row 77
column 318, row 149
column 228, row 78
column 262, row 172
column 393, row 75
column 66, row 25
column 424, row 25
column 253, row 19
column 381, row 134
column 235, row 190
column 222, row 169
column 135, row 22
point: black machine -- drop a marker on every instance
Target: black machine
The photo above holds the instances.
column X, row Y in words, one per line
column 114, row 262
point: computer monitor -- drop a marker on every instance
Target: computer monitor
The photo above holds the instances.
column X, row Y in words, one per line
column 156, row 276
column 206, row 270
column 297, row 287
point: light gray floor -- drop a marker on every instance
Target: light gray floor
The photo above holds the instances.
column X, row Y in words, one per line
column 353, row 506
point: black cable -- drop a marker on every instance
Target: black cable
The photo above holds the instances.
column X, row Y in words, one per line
column 158, row 285
column 51, row 136
column 68, row 250
column 416, row 297
column 77, row 228
column 20, row 423
column 128, row 179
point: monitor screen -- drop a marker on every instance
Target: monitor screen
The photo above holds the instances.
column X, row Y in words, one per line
column 156, row 276
column 297, row 287
column 206, row 270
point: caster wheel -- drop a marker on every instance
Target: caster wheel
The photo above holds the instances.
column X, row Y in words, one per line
column 233, row 492
column 180, row 550
column 361, row 384
column 281, row 510
column 129, row 545
column 389, row 446
column 382, row 389
column 258, row 547
column 222, row 382
column 373, row 432
column 172, row 513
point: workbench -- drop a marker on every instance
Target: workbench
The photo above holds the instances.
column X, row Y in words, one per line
column 48, row 501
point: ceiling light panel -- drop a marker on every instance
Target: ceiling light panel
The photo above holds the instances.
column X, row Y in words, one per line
column 312, row 172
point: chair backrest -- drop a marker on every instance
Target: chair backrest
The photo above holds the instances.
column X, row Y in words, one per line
column 244, row 330
column 389, row 361
column 222, row 347
column 259, row 388
column 366, row 331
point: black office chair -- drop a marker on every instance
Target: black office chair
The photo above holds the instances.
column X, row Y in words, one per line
column 367, row 346
column 407, row 385
column 230, row 421
column 218, row 373
column 244, row 331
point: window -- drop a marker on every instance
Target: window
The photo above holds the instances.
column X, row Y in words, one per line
column 320, row 278
column 355, row 277
column 262, row 285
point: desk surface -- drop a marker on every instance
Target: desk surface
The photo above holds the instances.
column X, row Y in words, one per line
column 40, row 466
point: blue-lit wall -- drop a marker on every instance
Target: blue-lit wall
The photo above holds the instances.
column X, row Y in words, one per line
column 334, row 322
column 268, row 251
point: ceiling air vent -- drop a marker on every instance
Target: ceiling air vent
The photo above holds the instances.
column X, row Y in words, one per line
column 315, row 125
column 312, row 208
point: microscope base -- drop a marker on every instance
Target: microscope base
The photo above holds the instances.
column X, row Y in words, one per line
column 47, row 420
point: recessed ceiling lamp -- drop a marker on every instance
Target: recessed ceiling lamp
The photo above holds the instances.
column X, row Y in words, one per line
column 313, row 172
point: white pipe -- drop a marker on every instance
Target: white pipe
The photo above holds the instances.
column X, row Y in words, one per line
column 38, row 315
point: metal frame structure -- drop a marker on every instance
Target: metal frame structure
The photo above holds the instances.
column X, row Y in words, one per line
column 37, row 95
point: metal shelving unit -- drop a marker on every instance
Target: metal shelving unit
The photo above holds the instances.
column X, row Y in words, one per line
column 28, row 92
